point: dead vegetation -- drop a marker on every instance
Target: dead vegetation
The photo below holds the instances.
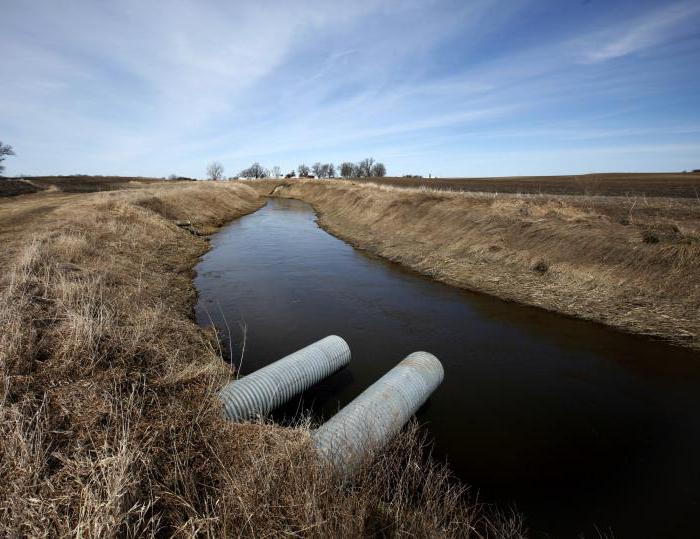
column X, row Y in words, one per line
column 632, row 262
column 109, row 425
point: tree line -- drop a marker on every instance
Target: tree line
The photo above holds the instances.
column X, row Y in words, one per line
column 215, row 171
column 362, row 169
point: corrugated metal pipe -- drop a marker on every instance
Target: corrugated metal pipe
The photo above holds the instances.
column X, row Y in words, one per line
column 378, row 413
column 265, row 389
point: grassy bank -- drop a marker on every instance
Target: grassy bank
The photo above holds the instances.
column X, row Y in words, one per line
column 630, row 262
column 109, row 424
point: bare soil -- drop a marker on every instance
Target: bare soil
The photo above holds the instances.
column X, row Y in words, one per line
column 11, row 188
column 662, row 184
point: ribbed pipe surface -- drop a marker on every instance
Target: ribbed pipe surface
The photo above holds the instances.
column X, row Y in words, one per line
column 265, row 389
column 378, row 413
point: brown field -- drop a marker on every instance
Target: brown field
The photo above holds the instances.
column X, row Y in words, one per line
column 11, row 188
column 109, row 426
column 662, row 184
column 631, row 262
column 71, row 184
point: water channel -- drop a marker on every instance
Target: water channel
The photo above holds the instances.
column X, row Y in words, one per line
column 580, row 427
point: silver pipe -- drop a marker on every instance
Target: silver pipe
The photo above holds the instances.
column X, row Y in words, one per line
column 378, row 413
column 265, row 389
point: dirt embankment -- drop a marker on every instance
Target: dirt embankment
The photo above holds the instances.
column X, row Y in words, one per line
column 108, row 423
column 630, row 262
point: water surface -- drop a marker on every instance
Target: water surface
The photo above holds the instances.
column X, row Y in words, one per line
column 581, row 427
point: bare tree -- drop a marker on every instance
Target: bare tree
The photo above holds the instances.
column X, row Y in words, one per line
column 378, row 170
column 276, row 171
column 5, row 150
column 317, row 169
column 364, row 168
column 215, row 170
column 303, row 170
column 347, row 169
column 326, row 170
column 256, row 170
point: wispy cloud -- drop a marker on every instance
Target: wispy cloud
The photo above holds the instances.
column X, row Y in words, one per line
column 134, row 88
column 661, row 25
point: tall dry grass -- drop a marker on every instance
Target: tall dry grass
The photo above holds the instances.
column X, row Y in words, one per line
column 108, row 424
column 629, row 262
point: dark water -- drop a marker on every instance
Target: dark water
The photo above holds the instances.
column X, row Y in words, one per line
column 581, row 427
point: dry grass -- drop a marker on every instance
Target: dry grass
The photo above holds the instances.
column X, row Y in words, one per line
column 629, row 262
column 108, row 422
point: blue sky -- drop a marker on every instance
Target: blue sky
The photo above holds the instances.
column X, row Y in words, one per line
column 441, row 87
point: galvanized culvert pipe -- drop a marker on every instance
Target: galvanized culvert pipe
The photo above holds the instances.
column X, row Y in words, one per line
column 265, row 389
column 378, row 413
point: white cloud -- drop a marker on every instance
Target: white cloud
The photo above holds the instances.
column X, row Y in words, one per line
column 647, row 31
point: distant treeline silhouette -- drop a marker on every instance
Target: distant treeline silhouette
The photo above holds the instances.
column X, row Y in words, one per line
column 362, row 169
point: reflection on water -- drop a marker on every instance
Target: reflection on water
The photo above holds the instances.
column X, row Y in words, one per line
column 577, row 425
